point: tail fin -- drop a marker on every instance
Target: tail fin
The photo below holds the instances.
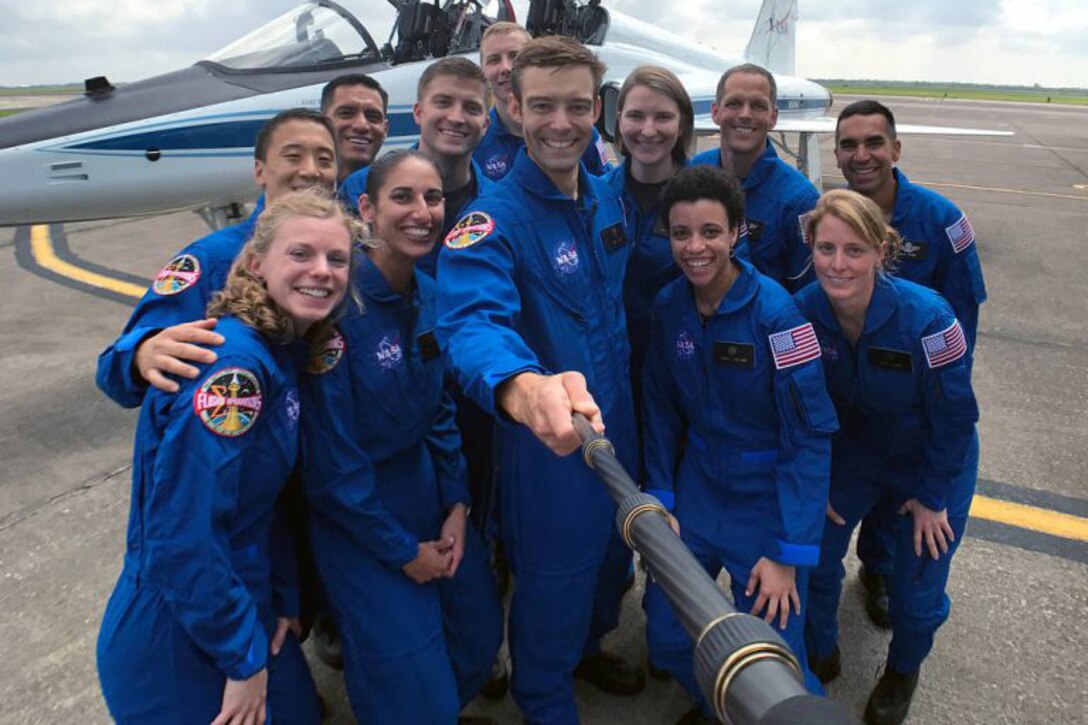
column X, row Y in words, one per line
column 774, row 37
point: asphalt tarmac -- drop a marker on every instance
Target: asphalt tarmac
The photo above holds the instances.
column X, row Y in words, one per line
column 1014, row 648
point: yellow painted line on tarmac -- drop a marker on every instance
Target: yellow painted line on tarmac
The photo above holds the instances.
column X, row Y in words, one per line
column 41, row 246
column 1020, row 515
column 1023, row 516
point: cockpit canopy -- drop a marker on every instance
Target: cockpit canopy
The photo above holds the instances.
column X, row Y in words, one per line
column 323, row 33
column 314, row 34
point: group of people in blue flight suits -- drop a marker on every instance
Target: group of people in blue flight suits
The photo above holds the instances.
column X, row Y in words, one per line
column 348, row 411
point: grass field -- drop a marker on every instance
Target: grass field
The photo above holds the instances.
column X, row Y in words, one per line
column 9, row 112
column 41, row 90
column 978, row 94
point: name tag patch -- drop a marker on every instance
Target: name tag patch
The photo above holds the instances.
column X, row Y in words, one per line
column 428, row 346
column 914, row 251
column 755, row 230
column 735, row 354
column 888, row 359
column 614, row 237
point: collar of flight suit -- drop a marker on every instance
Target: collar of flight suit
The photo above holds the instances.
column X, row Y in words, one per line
column 533, row 179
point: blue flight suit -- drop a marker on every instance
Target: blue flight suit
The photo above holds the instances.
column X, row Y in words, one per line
column 475, row 425
column 196, row 602
column 907, row 413
column 180, row 293
column 532, row 281
column 381, row 468
column 499, row 148
column 776, row 195
column 751, row 431
column 938, row 252
column 649, row 268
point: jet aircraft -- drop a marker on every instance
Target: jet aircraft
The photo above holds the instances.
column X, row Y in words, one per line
column 185, row 139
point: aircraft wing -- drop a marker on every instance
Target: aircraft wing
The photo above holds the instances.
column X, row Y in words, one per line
column 826, row 124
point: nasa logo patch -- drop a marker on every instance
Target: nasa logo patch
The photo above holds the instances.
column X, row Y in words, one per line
column 473, row 227
column 228, row 402
column 293, row 406
column 565, row 260
column 328, row 356
column 496, row 165
column 178, row 275
column 389, row 352
column 685, row 346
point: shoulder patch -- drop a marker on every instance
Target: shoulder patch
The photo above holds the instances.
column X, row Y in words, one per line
column 602, row 151
column 472, row 227
column 228, row 401
column 795, row 346
column 325, row 357
column 946, row 346
column 961, row 234
column 179, row 274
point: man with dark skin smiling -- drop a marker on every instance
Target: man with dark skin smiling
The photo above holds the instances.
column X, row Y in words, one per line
column 532, row 321
column 775, row 193
column 357, row 106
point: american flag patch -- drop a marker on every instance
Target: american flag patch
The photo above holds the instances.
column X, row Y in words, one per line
column 945, row 346
column 793, row 347
column 961, row 234
column 802, row 221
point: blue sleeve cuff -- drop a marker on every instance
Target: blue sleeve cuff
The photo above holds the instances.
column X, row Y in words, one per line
column 665, row 496
column 256, row 658
column 796, row 554
column 932, row 502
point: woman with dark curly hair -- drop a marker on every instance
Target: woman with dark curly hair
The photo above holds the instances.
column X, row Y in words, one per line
column 737, row 423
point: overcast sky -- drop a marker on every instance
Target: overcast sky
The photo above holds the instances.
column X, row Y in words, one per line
column 1017, row 42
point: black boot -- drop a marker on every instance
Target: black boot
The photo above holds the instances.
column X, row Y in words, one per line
column 876, row 598
column 695, row 716
column 611, row 673
column 826, row 668
column 889, row 702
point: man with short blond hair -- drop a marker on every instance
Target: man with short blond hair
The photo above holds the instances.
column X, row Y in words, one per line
column 499, row 46
column 451, row 110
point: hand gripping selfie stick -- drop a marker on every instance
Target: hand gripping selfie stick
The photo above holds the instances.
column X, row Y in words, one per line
column 744, row 669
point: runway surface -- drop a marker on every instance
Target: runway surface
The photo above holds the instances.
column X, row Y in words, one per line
column 1014, row 646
